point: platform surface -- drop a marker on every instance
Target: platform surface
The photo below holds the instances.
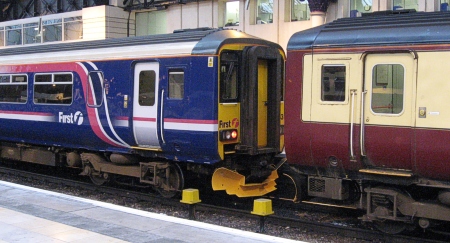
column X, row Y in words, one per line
column 33, row 215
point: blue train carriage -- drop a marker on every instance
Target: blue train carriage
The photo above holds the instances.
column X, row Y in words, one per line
column 148, row 109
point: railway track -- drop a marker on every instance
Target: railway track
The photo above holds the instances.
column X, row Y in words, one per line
column 142, row 199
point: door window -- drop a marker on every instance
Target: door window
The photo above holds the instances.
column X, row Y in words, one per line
column 147, row 88
column 387, row 88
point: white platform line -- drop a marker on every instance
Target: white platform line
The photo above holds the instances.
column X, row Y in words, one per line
column 192, row 223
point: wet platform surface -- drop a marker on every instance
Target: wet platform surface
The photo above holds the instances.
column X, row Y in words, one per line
column 34, row 215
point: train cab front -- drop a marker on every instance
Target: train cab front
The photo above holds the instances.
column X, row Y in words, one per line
column 250, row 119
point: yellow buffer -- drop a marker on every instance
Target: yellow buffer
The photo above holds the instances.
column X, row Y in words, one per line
column 234, row 183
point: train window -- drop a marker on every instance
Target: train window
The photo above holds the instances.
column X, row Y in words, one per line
column 43, row 78
column 5, row 79
column 229, row 75
column 53, row 88
column 147, row 81
column 13, row 88
column 176, row 84
column 95, row 92
column 63, row 77
column 387, row 88
column 333, row 83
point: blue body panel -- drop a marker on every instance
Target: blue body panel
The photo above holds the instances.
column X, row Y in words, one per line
column 95, row 129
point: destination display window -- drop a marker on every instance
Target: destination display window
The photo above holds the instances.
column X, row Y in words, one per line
column 333, row 83
column 176, row 84
column 13, row 88
column 55, row 88
column 387, row 88
column 147, row 82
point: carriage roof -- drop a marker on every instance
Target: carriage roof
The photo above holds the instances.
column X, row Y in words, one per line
column 195, row 41
column 385, row 28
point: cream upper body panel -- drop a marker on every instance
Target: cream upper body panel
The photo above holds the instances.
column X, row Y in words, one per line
column 315, row 107
column 426, row 101
column 433, row 88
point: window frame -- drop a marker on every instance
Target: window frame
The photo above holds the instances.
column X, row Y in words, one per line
column 11, row 82
column 392, row 88
column 322, row 82
column 56, row 99
column 226, row 5
column 289, row 11
column 18, row 29
column 33, row 30
column 100, row 77
column 171, row 93
column 257, row 12
column 153, row 101
column 222, row 84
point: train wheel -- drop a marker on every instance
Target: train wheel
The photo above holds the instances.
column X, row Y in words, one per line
column 290, row 186
column 172, row 182
column 99, row 179
column 383, row 205
column 391, row 227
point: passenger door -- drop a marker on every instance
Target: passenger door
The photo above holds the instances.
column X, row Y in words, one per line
column 387, row 110
column 145, row 104
column 262, row 102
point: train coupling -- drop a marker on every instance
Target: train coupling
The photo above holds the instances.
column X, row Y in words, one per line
column 234, row 183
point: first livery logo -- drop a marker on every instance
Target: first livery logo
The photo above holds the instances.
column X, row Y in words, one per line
column 71, row 118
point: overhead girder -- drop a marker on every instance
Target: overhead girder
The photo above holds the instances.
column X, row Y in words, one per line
column 133, row 5
column 21, row 9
